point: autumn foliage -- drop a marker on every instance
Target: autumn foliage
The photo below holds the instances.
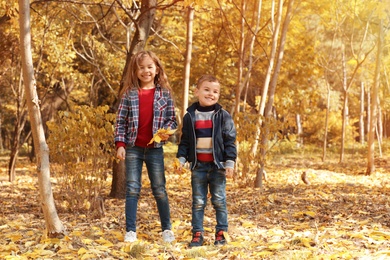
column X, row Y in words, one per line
column 81, row 149
column 340, row 214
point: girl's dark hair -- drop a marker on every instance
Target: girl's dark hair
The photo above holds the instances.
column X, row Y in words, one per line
column 131, row 80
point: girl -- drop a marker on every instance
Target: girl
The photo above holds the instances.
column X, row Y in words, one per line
column 146, row 106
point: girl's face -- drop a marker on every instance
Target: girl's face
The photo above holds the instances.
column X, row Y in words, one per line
column 146, row 72
column 208, row 93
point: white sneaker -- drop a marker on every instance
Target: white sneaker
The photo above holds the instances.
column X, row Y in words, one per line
column 130, row 236
column 168, row 236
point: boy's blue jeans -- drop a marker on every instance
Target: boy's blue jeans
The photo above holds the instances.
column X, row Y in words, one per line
column 154, row 160
column 207, row 176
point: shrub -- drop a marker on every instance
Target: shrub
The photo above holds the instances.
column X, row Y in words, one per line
column 81, row 151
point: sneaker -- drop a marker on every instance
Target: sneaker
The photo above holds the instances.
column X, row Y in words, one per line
column 219, row 238
column 197, row 239
column 168, row 236
column 130, row 236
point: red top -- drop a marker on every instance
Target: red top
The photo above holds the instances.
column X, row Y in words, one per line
column 145, row 123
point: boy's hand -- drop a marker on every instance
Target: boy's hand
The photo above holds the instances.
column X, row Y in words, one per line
column 121, row 153
column 178, row 167
column 229, row 172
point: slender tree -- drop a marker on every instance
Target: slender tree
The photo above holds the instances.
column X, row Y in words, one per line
column 54, row 226
column 374, row 105
column 187, row 58
column 272, row 89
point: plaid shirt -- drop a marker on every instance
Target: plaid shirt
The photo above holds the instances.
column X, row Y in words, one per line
column 126, row 127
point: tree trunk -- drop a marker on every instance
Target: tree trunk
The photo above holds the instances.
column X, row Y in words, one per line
column 1, row 138
column 380, row 123
column 118, row 186
column 345, row 106
column 361, row 118
column 240, row 61
column 326, row 122
column 148, row 10
column 385, row 124
column 21, row 118
column 250, row 54
column 368, row 109
column 272, row 89
column 374, row 106
column 268, row 76
column 298, row 122
column 142, row 30
column 16, row 141
column 187, row 61
column 54, row 227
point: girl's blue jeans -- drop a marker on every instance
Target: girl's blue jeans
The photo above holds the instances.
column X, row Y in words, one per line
column 207, row 176
column 154, row 161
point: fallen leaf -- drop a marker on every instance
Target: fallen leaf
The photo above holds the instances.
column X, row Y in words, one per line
column 157, row 136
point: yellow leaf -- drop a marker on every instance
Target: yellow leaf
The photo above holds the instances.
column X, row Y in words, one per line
column 88, row 256
column 364, row 222
column 87, row 241
column 310, row 214
column 118, row 235
column 263, row 253
column 161, row 132
column 64, row 251
column 306, row 242
column 248, row 225
column 82, row 251
column 276, row 246
column 77, row 233
column 379, row 233
column 15, row 237
column 30, row 233
column 104, row 242
column 212, row 253
column 383, row 252
column 227, row 237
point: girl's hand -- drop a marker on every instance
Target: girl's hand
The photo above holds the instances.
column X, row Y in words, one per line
column 229, row 172
column 164, row 137
column 121, row 153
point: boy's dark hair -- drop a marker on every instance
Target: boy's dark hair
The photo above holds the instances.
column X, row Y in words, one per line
column 208, row 78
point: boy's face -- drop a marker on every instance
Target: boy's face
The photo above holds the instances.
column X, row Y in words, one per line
column 208, row 93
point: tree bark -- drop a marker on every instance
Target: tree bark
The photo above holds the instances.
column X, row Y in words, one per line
column 361, row 118
column 54, row 226
column 250, row 54
column 324, row 148
column 272, row 88
column 142, row 30
column 187, row 61
column 374, row 106
column 345, row 106
column 1, row 138
column 148, row 10
column 240, row 61
column 268, row 76
column 299, row 130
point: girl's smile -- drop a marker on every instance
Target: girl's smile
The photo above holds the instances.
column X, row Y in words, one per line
column 146, row 72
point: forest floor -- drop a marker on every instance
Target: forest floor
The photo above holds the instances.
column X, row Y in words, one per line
column 339, row 213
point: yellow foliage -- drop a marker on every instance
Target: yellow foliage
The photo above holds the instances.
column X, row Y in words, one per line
column 161, row 134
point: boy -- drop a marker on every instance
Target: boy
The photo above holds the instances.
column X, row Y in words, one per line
column 208, row 144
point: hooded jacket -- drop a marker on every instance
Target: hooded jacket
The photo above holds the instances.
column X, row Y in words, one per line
column 223, row 138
